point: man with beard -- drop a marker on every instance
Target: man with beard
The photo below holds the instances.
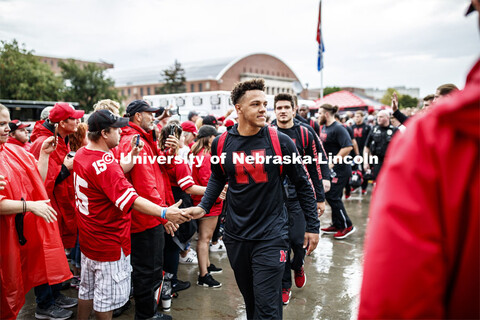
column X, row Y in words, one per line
column 151, row 181
column 303, row 139
column 336, row 142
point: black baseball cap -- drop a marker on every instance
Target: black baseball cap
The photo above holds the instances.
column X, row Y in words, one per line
column 207, row 131
column 192, row 114
column 210, row 120
column 17, row 124
column 103, row 119
column 139, row 106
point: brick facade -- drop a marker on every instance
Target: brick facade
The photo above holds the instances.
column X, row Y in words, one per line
column 278, row 78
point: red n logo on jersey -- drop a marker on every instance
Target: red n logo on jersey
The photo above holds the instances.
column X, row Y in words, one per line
column 283, row 256
column 357, row 132
column 255, row 170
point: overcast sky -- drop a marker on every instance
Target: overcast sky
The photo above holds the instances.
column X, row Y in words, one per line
column 369, row 43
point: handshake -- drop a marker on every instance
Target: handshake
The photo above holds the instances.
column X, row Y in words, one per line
column 176, row 216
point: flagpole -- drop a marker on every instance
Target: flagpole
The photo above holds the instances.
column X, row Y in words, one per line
column 321, row 84
column 320, row 47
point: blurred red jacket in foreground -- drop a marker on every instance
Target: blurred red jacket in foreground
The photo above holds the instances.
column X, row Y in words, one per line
column 42, row 259
column 422, row 251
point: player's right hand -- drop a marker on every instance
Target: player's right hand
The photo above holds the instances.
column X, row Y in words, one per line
column 42, row 209
column 195, row 212
column 175, row 214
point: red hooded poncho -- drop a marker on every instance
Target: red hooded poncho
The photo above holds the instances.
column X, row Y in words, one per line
column 42, row 259
column 422, row 252
column 62, row 195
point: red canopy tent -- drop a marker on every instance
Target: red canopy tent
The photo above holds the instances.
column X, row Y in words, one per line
column 348, row 101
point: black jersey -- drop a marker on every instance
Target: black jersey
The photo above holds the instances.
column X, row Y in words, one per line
column 318, row 145
column 379, row 139
column 334, row 138
column 255, row 207
column 304, row 140
column 360, row 133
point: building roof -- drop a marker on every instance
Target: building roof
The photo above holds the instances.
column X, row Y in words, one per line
column 346, row 99
column 213, row 69
column 201, row 70
column 343, row 99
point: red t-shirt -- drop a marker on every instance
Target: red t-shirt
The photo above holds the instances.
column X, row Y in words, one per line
column 103, row 199
column 181, row 176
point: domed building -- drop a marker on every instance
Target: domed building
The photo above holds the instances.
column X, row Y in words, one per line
column 211, row 75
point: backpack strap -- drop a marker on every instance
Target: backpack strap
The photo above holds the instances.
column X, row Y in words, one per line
column 276, row 144
column 221, row 143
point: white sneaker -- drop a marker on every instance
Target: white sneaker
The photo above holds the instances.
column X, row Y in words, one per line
column 219, row 247
column 190, row 258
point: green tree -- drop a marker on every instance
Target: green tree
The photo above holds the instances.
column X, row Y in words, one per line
column 174, row 78
column 404, row 100
column 407, row 101
column 387, row 97
column 87, row 84
column 24, row 77
column 329, row 90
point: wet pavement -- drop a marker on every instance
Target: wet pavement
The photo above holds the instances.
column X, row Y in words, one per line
column 333, row 273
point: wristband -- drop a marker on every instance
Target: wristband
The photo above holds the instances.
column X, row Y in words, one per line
column 164, row 213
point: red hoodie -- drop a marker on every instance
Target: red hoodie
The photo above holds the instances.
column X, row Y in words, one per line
column 42, row 258
column 422, row 252
column 62, row 195
column 149, row 180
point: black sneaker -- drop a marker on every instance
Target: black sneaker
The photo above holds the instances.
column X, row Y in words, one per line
column 208, row 281
column 65, row 285
column 212, row 269
column 118, row 312
column 161, row 316
column 63, row 301
column 180, row 285
column 53, row 313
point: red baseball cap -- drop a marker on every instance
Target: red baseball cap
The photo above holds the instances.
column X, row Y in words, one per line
column 189, row 126
column 63, row 111
column 228, row 123
column 17, row 124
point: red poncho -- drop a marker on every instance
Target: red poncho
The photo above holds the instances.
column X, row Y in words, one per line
column 42, row 259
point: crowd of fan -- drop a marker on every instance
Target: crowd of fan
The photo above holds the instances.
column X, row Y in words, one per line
column 153, row 131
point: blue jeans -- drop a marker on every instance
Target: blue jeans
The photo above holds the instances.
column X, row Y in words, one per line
column 46, row 294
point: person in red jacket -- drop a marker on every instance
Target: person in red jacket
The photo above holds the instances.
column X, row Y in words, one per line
column 151, row 181
column 201, row 172
column 18, row 134
column 62, row 121
column 31, row 251
column 422, row 250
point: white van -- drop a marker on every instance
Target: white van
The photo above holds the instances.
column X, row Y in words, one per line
column 215, row 103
